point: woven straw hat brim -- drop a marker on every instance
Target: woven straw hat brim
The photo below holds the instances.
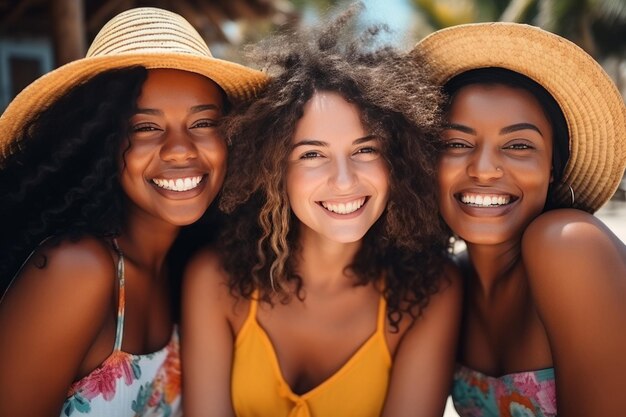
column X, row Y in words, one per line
column 592, row 106
column 145, row 36
column 238, row 82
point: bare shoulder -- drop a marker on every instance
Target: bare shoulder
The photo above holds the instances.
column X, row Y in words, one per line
column 451, row 284
column 205, row 270
column 576, row 269
column 567, row 230
column 566, row 240
column 83, row 267
column 52, row 314
column 68, row 281
column 207, row 335
column 570, row 255
column 445, row 304
column 206, row 282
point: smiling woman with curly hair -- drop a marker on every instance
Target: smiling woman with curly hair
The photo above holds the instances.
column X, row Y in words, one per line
column 103, row 162
column 329, row 282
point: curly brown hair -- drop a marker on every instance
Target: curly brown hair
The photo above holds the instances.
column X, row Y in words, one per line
column 398, row 104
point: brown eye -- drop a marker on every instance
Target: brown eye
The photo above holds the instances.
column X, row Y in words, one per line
column 144, row 127
column 310, row 155
column 456, row 144
column 204, row 123
column 519, row 146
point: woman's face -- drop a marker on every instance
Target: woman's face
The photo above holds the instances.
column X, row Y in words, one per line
column 496, row 168
column 176, row 160
column 337, row 179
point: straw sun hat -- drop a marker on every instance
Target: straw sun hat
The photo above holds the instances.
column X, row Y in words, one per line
column 147, row 36
column 592, row 106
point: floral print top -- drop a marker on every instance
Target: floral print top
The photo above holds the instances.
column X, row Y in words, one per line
column 522, row 394
column 127, row 385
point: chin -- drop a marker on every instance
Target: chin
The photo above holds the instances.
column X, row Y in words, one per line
column 346, row 238
column 184, row 219
column 486, row 238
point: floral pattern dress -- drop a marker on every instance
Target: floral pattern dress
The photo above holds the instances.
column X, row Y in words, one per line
column 522, row 394
column 127, row 385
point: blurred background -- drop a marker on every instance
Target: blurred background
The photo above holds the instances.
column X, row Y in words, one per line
column 39, row 35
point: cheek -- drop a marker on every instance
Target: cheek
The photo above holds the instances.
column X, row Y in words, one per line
column 379, row 176
column 537, row 188
column 446, row 172
column 129, row 180
column 533, row 176
column 131, row 166
column 219, row 161
column 296, row 186
column 449, row 173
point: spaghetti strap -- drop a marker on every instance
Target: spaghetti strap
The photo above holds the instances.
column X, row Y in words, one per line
column 119, row 329
column 250, row 318
column 254, row 304
column 382, row 314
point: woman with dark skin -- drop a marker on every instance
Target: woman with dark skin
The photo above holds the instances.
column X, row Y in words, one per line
column 535, row 142
column 328, row 294
column 113, row 155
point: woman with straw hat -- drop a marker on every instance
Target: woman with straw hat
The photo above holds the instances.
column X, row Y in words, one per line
column 535, row 142
column 103, row 160
column 328, row 292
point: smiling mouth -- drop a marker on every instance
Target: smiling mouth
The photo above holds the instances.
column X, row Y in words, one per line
column 178, row 184
column 486, row 200
column 343, row 208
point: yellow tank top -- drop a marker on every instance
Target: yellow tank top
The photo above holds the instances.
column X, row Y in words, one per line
column 357, row 389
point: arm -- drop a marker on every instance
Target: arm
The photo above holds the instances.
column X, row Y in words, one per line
column 48, row 320
column 424, row 362
column 206, row 339
column 577, row 273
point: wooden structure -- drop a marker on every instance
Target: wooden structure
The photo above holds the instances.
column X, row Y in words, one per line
column 72, row 24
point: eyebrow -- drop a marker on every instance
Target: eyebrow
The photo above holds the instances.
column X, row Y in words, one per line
column 461, row 128
column 202, row 107
column 508, row 129
column 194, row 109
column 520, row 126
column 312, row 142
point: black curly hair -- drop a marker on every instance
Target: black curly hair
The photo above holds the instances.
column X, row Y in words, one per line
column 398, row 103
column 61, row 178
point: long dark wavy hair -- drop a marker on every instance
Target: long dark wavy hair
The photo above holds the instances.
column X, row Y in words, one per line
column 62, row 176
column 398, row 104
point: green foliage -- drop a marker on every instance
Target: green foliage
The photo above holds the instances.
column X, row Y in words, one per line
column 598, row 26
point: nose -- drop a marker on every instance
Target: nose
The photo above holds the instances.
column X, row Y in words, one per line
column 344, row 175
column 485, row 166
column 178, row 147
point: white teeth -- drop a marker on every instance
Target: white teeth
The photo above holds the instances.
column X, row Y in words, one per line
column 485, row 200
column 344, row 208
column 178, row 184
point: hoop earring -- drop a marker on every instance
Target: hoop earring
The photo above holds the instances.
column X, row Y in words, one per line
column 571, row 194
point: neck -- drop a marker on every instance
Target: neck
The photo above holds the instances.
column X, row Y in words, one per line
column 494, row 265
column 147, row 242
column 322, row 263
